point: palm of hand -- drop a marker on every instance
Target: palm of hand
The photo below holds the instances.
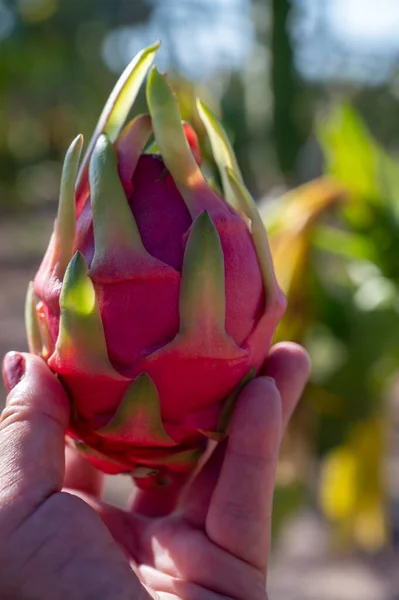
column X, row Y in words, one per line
column 207, row 540
column 214, row 544
column 184, row 561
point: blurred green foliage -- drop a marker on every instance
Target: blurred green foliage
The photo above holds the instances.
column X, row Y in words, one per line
column 53, row 84
column 336, row 246
column 290, row 123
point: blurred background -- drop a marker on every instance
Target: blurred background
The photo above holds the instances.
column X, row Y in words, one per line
column 309, row 93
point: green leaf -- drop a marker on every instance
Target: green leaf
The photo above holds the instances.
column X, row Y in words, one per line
column 116, row 235
column 184, row 460
column 64, row 231
column 138, row 417
column 222, row 150
column 259, row 235
column 32, row 322
column 171, row 140
column 202, row 290
column 228, row 409
column 89, row 452
column 344, row 243
column 130, row 144
column 350, row 151
column 81, row 341
column 229, row 405
column 116, row 110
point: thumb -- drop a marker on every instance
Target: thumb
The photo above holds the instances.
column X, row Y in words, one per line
column 32, row 431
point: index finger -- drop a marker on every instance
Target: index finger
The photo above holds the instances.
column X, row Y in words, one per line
column 288, row 364
column 239, row 516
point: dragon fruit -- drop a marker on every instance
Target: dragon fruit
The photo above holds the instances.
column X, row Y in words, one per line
column 156, row 300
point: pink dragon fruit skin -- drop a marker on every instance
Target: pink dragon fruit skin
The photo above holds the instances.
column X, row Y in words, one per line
column 156, row 299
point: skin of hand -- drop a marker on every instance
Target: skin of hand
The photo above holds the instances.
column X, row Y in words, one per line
column 207, row 539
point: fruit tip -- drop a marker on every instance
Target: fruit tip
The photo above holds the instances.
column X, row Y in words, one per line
column 103, row 144
column 76, row 146
column 77, row 264
column 154, row 74
column 203, row 108
column 152, row 49
column 103, row 138
column 158, row 91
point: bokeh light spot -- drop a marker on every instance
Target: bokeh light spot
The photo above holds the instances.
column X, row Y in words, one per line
column 35, row 11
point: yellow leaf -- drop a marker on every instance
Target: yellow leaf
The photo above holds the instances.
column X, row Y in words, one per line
column 351, row 491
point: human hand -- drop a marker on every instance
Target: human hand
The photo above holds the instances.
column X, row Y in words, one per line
column 212, row 544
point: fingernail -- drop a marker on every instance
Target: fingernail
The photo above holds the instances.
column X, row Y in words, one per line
column 13, row 369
